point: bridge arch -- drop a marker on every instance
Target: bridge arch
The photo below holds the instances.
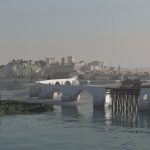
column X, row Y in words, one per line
column 75, row 95
column 83, row 94
column 67, row 83
column 57, row 83
column 56, row 93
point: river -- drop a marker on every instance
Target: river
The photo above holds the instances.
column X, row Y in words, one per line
column 75, row 127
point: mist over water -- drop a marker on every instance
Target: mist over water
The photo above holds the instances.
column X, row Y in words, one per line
column 79, row 126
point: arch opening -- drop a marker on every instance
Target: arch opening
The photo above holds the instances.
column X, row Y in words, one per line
column 85, row 102
column 67, row 83
column 57, row 83
column 84, row 95
column 56, row 94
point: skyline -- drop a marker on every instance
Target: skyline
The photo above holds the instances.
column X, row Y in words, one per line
column 116, row 32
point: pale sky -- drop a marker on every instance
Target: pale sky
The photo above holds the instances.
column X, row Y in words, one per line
column 115, row 31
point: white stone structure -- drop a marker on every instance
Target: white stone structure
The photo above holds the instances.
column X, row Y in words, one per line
column 68, row 81
column 50, row 61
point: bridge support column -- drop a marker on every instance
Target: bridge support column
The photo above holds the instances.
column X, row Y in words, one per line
column 70, row 95
column 98, row 94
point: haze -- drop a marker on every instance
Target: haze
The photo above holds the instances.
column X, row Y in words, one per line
column 115, row 31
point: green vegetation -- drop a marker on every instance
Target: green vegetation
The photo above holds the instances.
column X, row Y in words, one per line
column 10, row 108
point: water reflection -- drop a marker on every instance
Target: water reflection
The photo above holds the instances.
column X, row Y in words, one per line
column 129, row 120
column 70, row 111
column 125, row 119
column 98, row 115
column 87, row 111
column 144, row 120
column 107, row 117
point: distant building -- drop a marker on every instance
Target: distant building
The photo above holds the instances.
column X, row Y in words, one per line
column 79, row 65
column 64, row 61
column 67, row 61
column 96, row 66
column 50, row 61
column 59, row 71
column 70, row 60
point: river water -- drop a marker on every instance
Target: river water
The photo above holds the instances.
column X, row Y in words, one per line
column 75, row 127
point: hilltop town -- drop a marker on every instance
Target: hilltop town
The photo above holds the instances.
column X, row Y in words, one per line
column 50, row 68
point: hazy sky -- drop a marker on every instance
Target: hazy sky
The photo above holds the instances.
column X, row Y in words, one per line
column 115, row 31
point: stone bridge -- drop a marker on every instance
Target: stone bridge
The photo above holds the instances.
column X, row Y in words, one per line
column 71, row 93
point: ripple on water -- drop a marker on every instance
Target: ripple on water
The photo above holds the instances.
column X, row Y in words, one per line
column 69, row 128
